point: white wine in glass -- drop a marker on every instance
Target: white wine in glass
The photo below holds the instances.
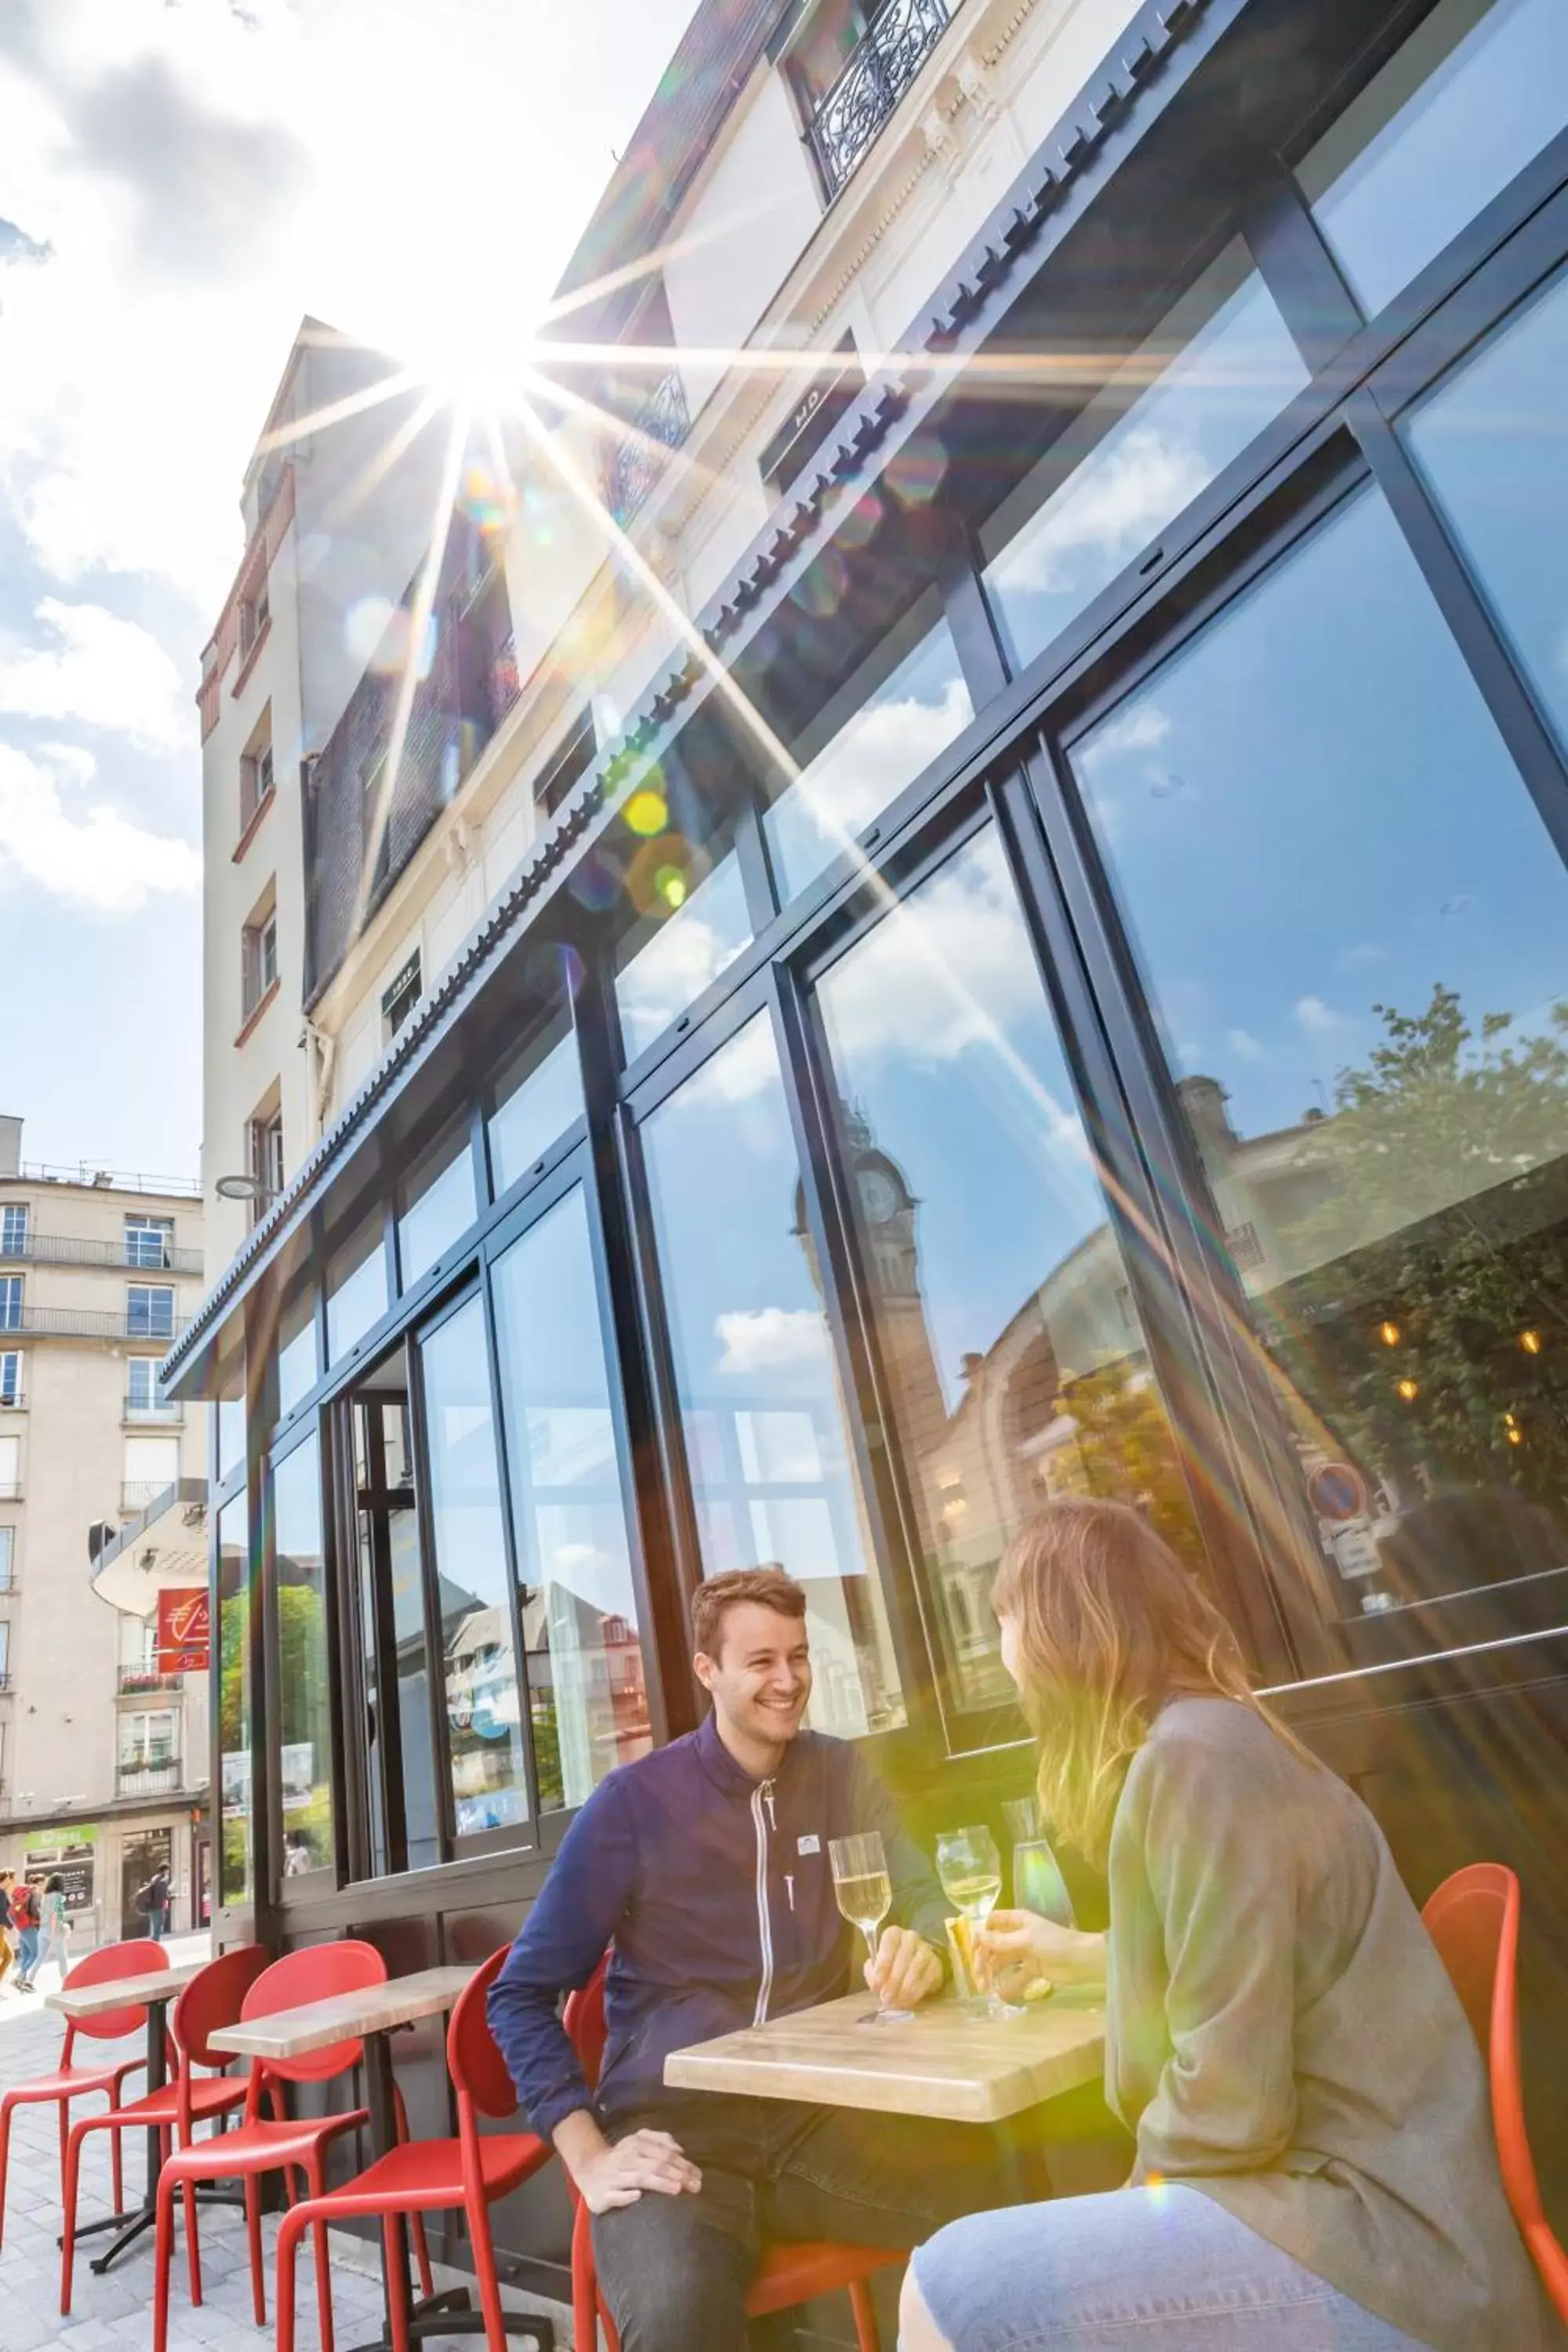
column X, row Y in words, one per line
column 863, row 1890
column 970, row 1869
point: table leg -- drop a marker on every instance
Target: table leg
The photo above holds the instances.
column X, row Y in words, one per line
column 157, row 2077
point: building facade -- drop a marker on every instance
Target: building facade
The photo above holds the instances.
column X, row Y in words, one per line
column 1041, row 974
column 103, row 1753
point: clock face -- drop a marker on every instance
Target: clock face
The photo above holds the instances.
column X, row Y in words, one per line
column 878, row 1194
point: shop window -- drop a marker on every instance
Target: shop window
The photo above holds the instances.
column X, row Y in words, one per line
column 761, row 1404
column 356, row 1290
column 693, row 924
column 1479, row 88
column 304, row 1712
column 437, row 1203
column 587, row 1700
column 538, row 1096
column 1218, row 367
column 1370, row 1031
column 150, row 1310
column 235, row 1883
column 993, row 1278
column 901, row 706
column 479, row 1658
column 1506, row 492
column 299, row 1364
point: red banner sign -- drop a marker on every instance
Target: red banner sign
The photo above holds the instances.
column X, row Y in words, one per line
column 184, row 1631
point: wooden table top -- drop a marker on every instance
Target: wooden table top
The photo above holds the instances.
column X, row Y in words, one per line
column 947, row 2062
column 345, row 2016
column 124, row 1992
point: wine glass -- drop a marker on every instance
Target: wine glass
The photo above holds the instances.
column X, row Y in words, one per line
column 970, row 1869
column 863, row 1890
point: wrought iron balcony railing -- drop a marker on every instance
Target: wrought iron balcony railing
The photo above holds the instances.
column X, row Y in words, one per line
column 90, row 1323
column 901, row 37
column 134, row 1680
column 660, row 424
column 138, row 1254
column 137, row 1779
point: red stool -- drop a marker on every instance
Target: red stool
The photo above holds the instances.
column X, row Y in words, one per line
column 70, row 2082
column 787, row 2274
column 1473, row 1919
column 210, row 2000
column 262, row 2145
column 431, row 2175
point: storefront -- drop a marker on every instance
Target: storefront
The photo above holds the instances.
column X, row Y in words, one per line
column 1089, row 1012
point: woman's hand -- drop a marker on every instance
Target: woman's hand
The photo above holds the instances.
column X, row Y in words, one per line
column 1016, row 1949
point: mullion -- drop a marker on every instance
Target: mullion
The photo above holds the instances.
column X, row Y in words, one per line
column 1299, row 268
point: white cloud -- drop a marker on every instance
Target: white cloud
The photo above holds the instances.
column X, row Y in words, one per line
column 1244, row 1046
column 678, row 963
column 90, row 857
column 876, row 754
column 1316, row 1017
column 1115, row 502
column 764, row 1338
column 99, row 670
column 1140, row 726
column 1364, row 952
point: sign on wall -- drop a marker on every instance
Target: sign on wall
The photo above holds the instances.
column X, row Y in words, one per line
column 184, row 1630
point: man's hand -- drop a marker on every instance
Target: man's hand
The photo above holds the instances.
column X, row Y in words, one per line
column 607, row 2175
column 905, row 1971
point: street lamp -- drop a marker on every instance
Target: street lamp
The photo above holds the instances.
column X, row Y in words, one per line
column 245, row 1188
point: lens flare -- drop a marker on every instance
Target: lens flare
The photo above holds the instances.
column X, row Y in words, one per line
column 647, row 811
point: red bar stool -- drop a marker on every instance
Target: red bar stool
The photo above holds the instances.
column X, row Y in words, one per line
column 70, row 2082
column 211, row 1999
column 431, row 2175
column 1473, row 1919
column 787, row 2274
column 276, row 2144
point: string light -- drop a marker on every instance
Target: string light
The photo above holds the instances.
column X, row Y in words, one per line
column 1389, row 1333
column 1408, row 1389
column 1531, row 1342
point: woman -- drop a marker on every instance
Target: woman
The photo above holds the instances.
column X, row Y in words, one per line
column 25, row 1920
column 53, row 1932
column 1315, row 2170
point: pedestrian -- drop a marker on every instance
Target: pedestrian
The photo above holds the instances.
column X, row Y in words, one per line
column 25, row 1919
column 8, row 1945
column 54, row 1928
column 154, row 1900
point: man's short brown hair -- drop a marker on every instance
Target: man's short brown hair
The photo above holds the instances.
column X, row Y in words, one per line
column 712, row 1601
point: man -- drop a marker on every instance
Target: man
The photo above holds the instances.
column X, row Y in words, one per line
column 155, row 1896
column 707, row 1865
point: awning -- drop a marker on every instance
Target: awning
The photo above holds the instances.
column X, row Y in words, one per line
column 164, row 1545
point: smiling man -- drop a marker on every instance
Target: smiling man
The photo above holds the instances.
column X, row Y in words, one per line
column 706, row 1865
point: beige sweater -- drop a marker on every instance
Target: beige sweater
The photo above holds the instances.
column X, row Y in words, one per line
column 1283, row 2035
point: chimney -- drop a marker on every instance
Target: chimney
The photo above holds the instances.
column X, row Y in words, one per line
column 10, row 1146
column 1203, row 1101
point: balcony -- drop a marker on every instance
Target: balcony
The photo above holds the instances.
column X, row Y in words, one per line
column 136, row 1493
column 134, row 1681
column 661, row 426
column 139, row 1415
column 10, row 1490
column 90, row 1323
column 142, row 1255
column 901, row 37
column 140, row 1776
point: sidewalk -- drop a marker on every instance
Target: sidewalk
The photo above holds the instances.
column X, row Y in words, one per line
column 114, row 2313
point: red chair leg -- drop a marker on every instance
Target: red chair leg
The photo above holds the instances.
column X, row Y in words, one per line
column 483, row 2251
column 422, row 2255
column 5, row 2105
column 865, row 2311
column 63, row 2113
column 192, row 2245
column 253, row 2231
column 116, row 2164
column 315, row 2179
column 393, row 2252
column 67, row 2203
column 164, row 2244
column 290, row 2229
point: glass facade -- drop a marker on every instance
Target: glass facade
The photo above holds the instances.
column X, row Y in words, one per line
column 304, row 1707
column 236, row 1852
column 437, row 1204
column 701, row 927
column 356, row 1290
column 538, row 1096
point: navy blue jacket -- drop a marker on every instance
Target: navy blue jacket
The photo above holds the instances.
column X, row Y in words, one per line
column 717, row 1893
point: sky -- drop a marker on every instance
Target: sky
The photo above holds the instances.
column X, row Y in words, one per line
column 180, row 181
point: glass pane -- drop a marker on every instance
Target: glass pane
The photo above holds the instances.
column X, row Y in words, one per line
column 536, row 1101
column 1490, row 441
column 693, row 943
column 1003, row 1318
column 304, row 1725
column 587, row 1696
column 230, row 1424
column 484, row 1715
column 438, row 1204
column 1216, row 368
column 1466, row 101
column 759, row 1393
column 297, row 1367
column 1369, row 1029
column 234, row 1699
column 875, row 738
column 356, row 1291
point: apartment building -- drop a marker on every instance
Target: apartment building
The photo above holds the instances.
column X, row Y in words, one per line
column 103, row 1748
column 963, row 900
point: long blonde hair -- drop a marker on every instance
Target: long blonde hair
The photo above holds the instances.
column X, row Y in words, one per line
column 1109, row 1624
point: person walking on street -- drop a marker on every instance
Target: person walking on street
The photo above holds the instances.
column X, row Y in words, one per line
column 7, row 1944
column 54, row 1930
column 155, row 1898
column 25, row 1919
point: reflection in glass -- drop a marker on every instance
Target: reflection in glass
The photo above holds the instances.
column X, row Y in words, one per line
column 1369, row 1029
column 537, row 1099
column 305, row 1710
column 762, row 1412
column 667, row 969
column 1490, row 441
column 404, row 1829
column 587, row 1700
column 1219, row 366
column 234, row 1700
column 231, row 1424
column 436, row 1204
column 356, row 1290
column 874, row 740
column 1004, row 1319
column 1477, row 90
column 297, row 1367
column 484, row 1714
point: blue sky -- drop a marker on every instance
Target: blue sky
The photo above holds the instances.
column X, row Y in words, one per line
column 180, row 181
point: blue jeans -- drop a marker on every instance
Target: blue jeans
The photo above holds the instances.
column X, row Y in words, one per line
column 27, row 1951
column 1145, row 2270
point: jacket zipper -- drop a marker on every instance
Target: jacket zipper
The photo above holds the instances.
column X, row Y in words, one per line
column 764, row 1793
